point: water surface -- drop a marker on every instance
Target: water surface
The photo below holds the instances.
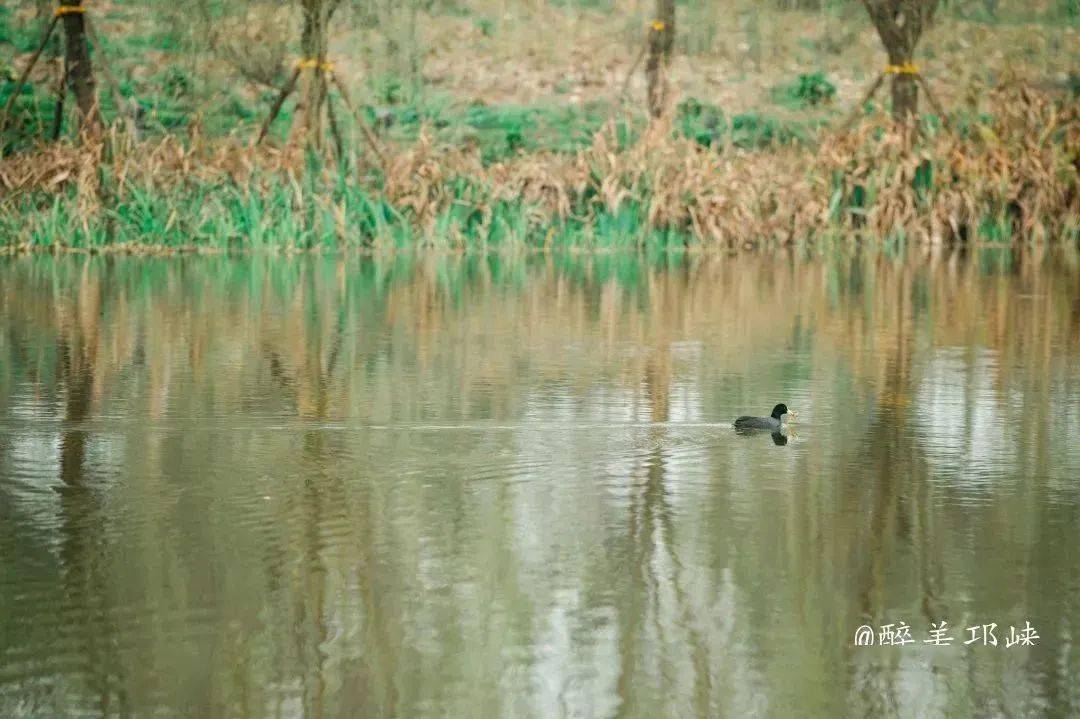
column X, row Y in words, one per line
column 491, row 487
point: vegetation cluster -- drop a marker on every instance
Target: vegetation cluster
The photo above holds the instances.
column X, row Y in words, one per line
column 222, row 134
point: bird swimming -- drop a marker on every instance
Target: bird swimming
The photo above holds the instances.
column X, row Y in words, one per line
column 772, row 422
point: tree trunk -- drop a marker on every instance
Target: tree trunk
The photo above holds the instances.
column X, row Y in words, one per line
column 80, row 72
column 661, row 41
column 900, row 24
column 313, row 43
column 905, row 97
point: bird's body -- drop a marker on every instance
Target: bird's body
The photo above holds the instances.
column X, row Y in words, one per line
column 757, row 423
column 771, row 423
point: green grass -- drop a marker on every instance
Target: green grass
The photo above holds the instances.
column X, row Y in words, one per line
column 710, row 126
column 342, row 216
column 807, row 90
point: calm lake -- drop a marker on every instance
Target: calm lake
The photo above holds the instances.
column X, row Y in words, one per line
column 479, row 487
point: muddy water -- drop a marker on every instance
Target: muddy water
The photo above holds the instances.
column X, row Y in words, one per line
column 490, row 487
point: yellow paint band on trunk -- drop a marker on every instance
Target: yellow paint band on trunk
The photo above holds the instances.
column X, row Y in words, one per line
column 906, row 69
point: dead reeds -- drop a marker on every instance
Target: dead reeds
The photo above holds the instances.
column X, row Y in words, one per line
column 1016, row 175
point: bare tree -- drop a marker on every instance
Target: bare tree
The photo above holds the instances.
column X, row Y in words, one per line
column 314, row 74
column 77, row 70
column 900, row 24
column 661, row 42
column 314, row 42
column 80, row 71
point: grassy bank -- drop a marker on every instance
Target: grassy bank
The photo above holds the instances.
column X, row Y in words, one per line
column 516, row 126
column 1009, row 177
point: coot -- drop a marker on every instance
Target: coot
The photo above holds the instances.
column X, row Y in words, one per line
column 771, row 423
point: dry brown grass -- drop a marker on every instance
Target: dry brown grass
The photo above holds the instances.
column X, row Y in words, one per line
column 1012, row 167
column 1020, row 169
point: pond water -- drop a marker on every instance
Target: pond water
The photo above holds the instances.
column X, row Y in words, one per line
column 495, row 487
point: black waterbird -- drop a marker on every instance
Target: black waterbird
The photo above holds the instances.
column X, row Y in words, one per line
column 772, row 422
